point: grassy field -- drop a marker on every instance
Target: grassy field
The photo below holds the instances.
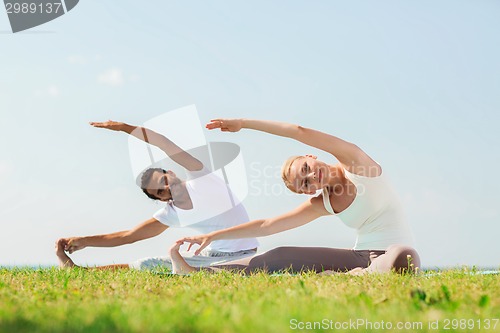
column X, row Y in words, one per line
column 78, row 300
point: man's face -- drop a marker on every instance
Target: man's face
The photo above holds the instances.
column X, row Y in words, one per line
column 160, row 184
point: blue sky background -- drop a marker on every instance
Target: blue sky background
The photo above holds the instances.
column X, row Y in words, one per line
column 415, row 84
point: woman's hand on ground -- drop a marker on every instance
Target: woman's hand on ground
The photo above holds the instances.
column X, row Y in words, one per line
column 203, row 240
column 225, row 125
column 110, row 124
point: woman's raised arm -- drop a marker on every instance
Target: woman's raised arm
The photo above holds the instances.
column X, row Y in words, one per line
column 347, row 153
column 176, row 153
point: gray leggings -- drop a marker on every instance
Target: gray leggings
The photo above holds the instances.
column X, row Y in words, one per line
column 318, row 259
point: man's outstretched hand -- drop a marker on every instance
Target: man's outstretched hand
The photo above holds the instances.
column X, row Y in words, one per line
column 110, row 124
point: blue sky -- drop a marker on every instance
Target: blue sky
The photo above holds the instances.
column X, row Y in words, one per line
column 415, row 84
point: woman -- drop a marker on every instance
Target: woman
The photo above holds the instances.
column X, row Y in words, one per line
column 185, row 205
column 355, row 189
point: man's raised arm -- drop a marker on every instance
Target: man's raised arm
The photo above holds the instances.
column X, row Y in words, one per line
column 176, row 153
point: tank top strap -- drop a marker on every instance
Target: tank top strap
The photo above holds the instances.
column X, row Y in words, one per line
column 326, row 201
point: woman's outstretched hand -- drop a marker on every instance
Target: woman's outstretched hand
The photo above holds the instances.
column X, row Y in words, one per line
column 225, row 125
column 203, row 240
column 110, row 124
column 71, row 244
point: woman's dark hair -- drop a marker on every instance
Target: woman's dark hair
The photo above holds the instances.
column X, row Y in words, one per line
column 146, row 178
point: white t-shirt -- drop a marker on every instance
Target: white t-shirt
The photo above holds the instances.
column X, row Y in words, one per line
column 376, row 213
column 214, row 208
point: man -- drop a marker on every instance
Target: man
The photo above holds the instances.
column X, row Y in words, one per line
column 194, row 202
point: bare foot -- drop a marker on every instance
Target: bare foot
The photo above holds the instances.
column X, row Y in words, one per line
column 179, row 265
column 64, row 260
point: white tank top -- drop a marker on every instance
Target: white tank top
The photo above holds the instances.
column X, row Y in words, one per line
column 376, row 213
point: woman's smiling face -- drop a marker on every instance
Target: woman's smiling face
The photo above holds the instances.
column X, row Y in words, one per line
column 308, row 175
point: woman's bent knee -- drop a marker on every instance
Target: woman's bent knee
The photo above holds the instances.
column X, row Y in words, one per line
column 405, row 257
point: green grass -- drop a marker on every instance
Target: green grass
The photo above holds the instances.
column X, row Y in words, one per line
column 78, row 300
